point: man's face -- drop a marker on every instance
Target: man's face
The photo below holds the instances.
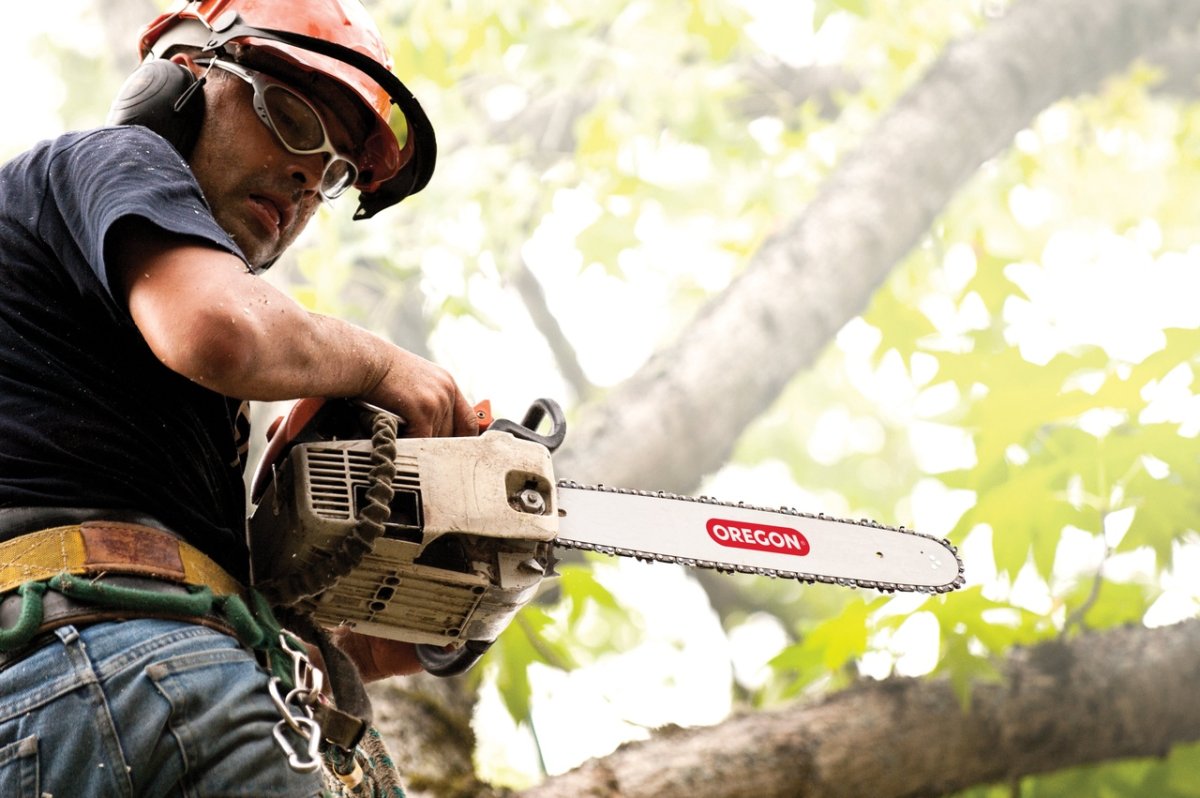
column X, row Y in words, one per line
column 260, row 193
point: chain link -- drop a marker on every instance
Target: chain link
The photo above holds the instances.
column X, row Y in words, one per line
column 296, row 709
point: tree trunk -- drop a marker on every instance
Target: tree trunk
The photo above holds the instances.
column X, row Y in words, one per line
column 679, row 416
column 1124, row 693
column 426, row 722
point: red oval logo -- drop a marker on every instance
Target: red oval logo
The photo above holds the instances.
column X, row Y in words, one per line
column 760, row 537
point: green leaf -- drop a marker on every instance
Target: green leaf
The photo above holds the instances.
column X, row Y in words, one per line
column 715, row 27
column 1115, row 604
column 510, row 656
column 1167, row 506
column 1007, row 414
column 597, row 136
column 1027, row 513
column 822, row 9
column 581, row 590
column 968, row 614
column 906, row 324
column 843, row 638
column 525, row 642
column 604, row 240
column 829, row 646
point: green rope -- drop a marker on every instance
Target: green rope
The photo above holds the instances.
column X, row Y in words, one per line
column 255, row 624
column 264, row 615
column 274, row 641
column 28, row 621
column 235, row 611
column 197, row 601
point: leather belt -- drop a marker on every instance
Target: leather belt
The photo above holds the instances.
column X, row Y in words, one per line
column 113, row 553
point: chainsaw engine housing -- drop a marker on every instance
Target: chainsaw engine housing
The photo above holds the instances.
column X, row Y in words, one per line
column 466, row 544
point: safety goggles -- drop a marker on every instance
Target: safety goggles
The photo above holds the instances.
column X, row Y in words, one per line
column 297, row 124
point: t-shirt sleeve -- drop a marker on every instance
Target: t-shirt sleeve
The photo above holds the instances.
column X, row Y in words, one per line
column 114, row 173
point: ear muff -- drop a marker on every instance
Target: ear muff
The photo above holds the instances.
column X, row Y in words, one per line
column 165, row 97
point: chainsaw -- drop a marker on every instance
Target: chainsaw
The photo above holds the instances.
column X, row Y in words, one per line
column 441, row 541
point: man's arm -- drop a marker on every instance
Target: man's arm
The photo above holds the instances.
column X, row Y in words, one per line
column 376, row 657
column 206, row 317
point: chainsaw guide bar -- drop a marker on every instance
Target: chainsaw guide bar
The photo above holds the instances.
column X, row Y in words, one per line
column 735, row 537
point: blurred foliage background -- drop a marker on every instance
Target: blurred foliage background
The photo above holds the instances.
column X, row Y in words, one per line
column 1023, row 383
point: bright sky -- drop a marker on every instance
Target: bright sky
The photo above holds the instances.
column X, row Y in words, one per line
column 30, row 90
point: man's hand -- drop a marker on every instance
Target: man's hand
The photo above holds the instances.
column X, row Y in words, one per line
column 425, row 396
column 377, row 657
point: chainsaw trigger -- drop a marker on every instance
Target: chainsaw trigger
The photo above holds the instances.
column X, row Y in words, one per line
column 483, row 415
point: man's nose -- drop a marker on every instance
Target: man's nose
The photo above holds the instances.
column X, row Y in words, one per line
column 308, row 170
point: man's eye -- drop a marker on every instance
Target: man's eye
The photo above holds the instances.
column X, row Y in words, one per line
column 297, row 123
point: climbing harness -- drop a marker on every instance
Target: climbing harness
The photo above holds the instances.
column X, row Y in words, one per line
column 105, row 570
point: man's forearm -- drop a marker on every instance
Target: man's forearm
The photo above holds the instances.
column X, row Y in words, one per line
column 207, row 318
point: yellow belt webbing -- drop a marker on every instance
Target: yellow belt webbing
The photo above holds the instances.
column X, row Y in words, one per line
column 106, row 547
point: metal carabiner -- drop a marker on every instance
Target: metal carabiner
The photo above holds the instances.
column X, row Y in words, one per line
column 311, row 735
column 307, row 679
column 302, row 724
column 281, row 704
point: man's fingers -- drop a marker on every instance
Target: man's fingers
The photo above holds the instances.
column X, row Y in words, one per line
column 465, row 420
column 427, row 397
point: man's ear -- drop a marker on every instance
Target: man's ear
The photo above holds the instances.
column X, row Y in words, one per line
column 189, row 62
column 163, row 94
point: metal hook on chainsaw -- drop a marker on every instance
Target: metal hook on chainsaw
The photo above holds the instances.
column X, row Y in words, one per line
column 527, row 429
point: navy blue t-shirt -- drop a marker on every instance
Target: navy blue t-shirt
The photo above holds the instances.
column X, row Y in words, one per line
column 89, row 417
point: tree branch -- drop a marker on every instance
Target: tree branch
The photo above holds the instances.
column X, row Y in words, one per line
column 427, row 724
column 1123, row 693
column 526, row 284
column 818, row 272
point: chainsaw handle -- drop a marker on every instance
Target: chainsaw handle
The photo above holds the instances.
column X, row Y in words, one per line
column 440, row 662
column 527, row 429
column 299, row 426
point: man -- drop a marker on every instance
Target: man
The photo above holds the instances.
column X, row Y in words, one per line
column 132, row 331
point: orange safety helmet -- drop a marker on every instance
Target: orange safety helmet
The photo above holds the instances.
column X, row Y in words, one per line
column 338, row 40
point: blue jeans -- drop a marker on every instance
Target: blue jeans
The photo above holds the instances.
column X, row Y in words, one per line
column 145, row 708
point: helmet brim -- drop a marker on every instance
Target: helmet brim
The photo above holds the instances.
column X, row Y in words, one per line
column 396, row 162
column 399, row 170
